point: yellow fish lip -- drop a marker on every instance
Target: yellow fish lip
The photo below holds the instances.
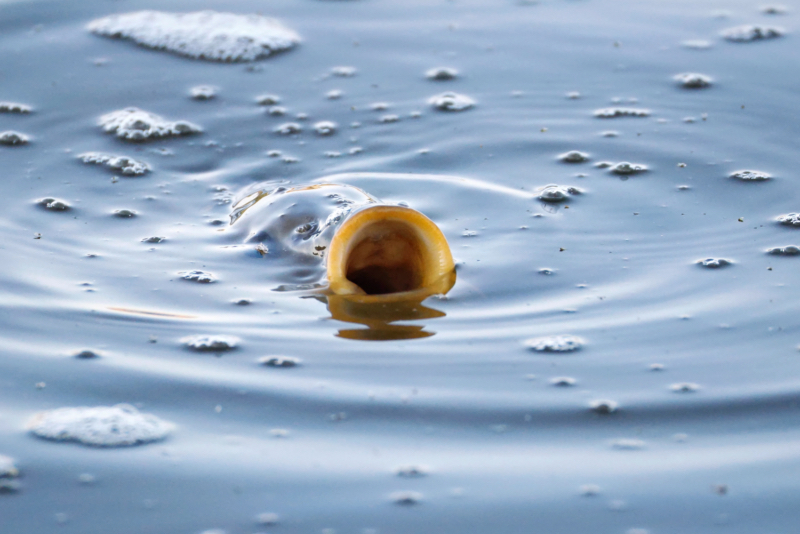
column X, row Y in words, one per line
column 389, row 254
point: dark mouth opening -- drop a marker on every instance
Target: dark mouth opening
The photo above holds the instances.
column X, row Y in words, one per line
column 389, row 260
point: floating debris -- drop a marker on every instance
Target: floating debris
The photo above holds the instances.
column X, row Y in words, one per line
column 102, row 426
column 574, row 156
column 566, row 343
column 203, row 92
column 790, row 219
column 451, row 102
column 751, row 32
column 325, row 128
column 280, row 361
column 715, row 263
column 53, row 204
column 289, row 128
column 441, row 74
column 751, row 176
column 201, row 35
column 134, row 124
column 122, row 164
column 693, row 80
column 202, row 277
column 12, row 138
column 14, row 107
column 212, row 343
column 790, row 250
column 625, row 168
column 557, row 193
column 613, row 113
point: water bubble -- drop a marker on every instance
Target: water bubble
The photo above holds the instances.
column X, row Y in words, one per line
column 628, row 444
column 344, row 71
column 280, row 361
column 86, row 354
column 412, row 471
column 714, row 263
column 684, row 387
column 388, row 119
column 332, row 154
column 202, row 277
column 589, row 490
column 563, row 381
column 14, row 107
column 202, row 35
column 334, row 94
column 267, row 519
column 325, row 128
column 441, row 74
column 279, row 433
column 124, row 213
column 751, row 32
column 210, row 343
column 693, row 80
column 288, row 128
column 750, row 176
column 625, row 168
column 123, row 164
column 574, row 156
column 379, row 106
column 154, row 239
column 790, row 219
column 604, row 406
column 451, row 102
column 656, row 367
column 774, row 10
column 268, row 100
column 87, row 479
column 406, row 498
column 546, row 272
column 8, row 468
column 697, row 44
column 277, row 111
column 134, row 124
column 613, row 113
column 203, row 92
column 101, row 426
column 355, row 150
column 790, row 250
column 12, row 138
column 53, row 204
column 573, row 95
column 557, row 193
column 564, row 343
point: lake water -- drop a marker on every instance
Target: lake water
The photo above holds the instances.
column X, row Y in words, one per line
column 672, row 279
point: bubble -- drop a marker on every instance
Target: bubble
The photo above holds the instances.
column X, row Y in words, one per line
column 684, row 387
column 124, row 213
column 344, row 71
column 277, row 111
column 379, row 106
column 564, row 343
column 563, row 381
column 267, row 519
column 546, row 272
column 790, row 219
column 790, row 250
column 574, row 156
column 268, row 100
column 613, row 113
column 406, row 498
column 656, row 367
column 451, row 102
column 697, row 44
column 334, row 94
column 86, row 354
column 12, row 138
column 332, row 154
column 101, row 426
column 573, row 95
column 751, row 32
column 202, row 277
column 604, row 406
column 714, row 263
column 441, row 74
column 750, row 176
column 412, row 471
column 388, row 119
column 53, row 204
column 628, row 444
column 154, row 239
column 557, row 193
column 203, row 92
column 87, row 479
column 280, row 361
column 210, row 343
column 134, row 124
column 288, row 128
column 693, row 80
column 774, row 10
column 14, row 107
column 589, row 490
column 122, row 164
column 325, row 128
column 202, row 35
column 8, row 468
column 625, row 168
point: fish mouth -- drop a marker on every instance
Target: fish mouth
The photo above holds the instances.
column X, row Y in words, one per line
column 389, row 253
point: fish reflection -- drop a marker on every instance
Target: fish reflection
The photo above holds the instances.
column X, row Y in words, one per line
column 380, row 318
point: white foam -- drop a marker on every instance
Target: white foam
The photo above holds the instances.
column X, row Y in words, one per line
column 203, row 35
column 101, row 426
column 134, row 124
column 125, row 165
